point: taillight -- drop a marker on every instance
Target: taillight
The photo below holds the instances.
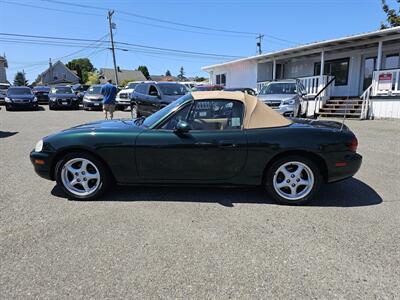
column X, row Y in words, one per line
column 354, row 144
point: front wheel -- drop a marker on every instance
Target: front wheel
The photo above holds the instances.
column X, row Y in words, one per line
column 134, row 111
column 293, row 180
column 82, row 176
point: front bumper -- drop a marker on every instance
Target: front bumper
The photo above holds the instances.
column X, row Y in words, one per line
column 93, row 104
column 22, row 105
column 342, row 165
column 42, row 162
column 122, row 102
column 60, row 103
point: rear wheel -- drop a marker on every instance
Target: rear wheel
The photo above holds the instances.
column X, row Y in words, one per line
column 293, row 180
column 82, row 176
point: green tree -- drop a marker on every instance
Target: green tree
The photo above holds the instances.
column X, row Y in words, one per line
column 168, row 73
column 393, row 16
column 181, row 74
column 144, row 70
column 93, row 78
column 20, row 80
column 125, row 82
column 82, row 66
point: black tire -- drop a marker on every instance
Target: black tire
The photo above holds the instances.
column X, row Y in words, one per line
column 8, row 108
column 309, row 191
column 135, row 106
column 105, row 177
column 51, row 107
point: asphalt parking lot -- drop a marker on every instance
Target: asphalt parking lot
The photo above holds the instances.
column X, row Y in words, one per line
column 197, row 243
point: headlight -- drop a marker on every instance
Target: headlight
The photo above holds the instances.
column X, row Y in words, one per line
column 289, row 102
column 34, row 99
column 39, row 146
column 8, row 100
column 53, row 99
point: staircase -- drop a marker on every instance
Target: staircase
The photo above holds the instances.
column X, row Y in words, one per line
column 339, row 107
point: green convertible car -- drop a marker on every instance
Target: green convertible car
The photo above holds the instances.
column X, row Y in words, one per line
column 205, row 138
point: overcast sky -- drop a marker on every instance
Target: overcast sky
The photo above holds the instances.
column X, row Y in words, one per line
column 284, row 22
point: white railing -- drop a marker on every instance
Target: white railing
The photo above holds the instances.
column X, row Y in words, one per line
column 365, row 97
column 261, row 84
column 386, row 83
column 314, row 84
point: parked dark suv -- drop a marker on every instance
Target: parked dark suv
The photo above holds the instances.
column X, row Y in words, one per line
column 63, row 97
column 150, row 97
column 20, row 97
column 42, row 93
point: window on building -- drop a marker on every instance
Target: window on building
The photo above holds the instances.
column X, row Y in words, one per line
column 220, row 79
column 338, row 68
column 392, row 61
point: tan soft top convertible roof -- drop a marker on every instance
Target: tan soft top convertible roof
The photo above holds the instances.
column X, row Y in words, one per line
column 256, row 113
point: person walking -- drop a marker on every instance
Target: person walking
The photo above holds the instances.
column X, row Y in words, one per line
column 109, row 92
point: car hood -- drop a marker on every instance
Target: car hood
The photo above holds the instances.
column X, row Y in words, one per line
column 21, row 96
column 93, row 96
column 62, row 95
column 106, row 125
column 126, row 91
column 276, row 97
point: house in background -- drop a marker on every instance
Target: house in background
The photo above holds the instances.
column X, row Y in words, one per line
column 164, row 78
column 3, row 66
column 357, row 75
column 57, row 73
column 131, row 75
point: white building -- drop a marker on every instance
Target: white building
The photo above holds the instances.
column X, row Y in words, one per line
column 358, row 75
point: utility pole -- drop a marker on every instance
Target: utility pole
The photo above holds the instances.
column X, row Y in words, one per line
column 259, row 38
column 112, row 26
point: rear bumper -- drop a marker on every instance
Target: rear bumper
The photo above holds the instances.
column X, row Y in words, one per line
column 342, row 165
column 41, row 162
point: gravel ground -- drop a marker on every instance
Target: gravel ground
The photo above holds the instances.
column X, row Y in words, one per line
column 192, row 243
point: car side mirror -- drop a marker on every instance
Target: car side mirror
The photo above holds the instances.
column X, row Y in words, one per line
column 182, row 127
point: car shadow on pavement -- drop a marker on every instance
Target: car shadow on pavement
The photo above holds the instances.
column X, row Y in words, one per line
column 6, row 134
column 348, row 193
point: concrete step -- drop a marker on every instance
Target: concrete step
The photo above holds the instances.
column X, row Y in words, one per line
column 324, row 113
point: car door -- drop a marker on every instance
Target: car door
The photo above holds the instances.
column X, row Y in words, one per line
column 214, row 149
column 139, row 97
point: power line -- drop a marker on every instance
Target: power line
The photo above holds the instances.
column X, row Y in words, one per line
column 235, row 34
column 120, row 43
column 170, row 22
column 152, row 18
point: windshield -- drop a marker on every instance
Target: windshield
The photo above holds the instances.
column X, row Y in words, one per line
column 41, row 89
column 279, row 88
column 154, row 118
column 173, row 89
column 61, row 90
column 132, row 85
column 94, row 90
column 19, row 91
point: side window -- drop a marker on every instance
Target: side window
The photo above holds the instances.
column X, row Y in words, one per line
column 140, row 88
column 153, row 91
column 216, row 115
column 181, row 115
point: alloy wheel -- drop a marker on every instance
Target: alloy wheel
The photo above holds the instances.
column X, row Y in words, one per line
column 293, row 180
column 80, row 176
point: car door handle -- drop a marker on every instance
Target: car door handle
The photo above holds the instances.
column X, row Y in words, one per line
column 226, row 144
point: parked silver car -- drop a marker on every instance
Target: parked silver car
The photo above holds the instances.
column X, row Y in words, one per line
column 288, row 97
